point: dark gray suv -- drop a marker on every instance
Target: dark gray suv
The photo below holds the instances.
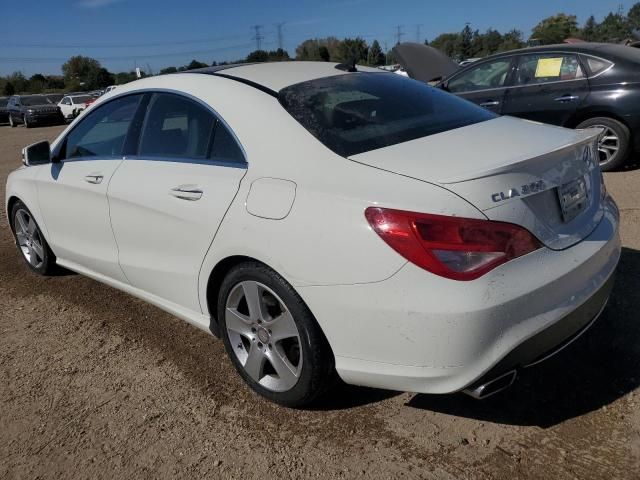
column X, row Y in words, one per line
column 33, row 110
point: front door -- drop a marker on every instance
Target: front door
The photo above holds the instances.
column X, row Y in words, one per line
column 547, row 88
column 168, row 201
column 485, row 84
column 72, row 191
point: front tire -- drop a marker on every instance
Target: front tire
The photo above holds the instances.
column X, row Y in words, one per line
column 12, row 124
column 271, row 337
column 30, row 241
column 613, row 144
column 26, row 122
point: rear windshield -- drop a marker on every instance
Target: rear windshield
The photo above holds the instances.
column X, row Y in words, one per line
column 81, row 98
column 34, row 100
column 356, row 113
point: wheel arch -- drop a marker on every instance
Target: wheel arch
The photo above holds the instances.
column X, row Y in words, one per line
column 216, row 277
column 581, row 116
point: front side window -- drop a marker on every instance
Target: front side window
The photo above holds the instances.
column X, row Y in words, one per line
column 359, row 112
column 488, row 75
column 66, row 101
column 176, row 127
column 543, row 68
column 102, row 133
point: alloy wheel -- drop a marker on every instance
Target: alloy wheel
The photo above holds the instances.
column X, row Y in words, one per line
column 29, row 239
column 608, row 144
column 263, row 335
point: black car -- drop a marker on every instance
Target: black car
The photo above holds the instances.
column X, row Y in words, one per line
column 571, row 85
column 33, row 110
column 4, row 114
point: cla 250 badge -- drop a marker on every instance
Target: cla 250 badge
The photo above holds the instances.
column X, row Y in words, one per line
column 527, row 189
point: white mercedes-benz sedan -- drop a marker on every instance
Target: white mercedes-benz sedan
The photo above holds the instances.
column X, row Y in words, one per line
column 330, row 222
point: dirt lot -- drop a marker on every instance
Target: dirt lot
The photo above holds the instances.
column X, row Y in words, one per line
column 96, row 384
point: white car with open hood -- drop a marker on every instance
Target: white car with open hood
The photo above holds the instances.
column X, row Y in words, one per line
column 325, row 221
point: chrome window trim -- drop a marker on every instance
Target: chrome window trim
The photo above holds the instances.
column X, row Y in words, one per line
column 586, row 77
column 196, row 161
column 195, row 99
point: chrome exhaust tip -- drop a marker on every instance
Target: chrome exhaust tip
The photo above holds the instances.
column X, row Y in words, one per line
column 493, row 386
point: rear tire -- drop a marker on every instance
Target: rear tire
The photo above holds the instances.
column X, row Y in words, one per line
column 614, row 143
column 271, row 337
column 30, row 241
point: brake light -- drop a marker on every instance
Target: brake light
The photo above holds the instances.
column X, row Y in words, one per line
column 452, row 247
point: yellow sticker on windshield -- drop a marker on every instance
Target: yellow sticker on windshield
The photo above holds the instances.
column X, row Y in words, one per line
column 549, row 67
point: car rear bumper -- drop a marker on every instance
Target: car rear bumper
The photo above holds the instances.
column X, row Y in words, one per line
column 421, row 333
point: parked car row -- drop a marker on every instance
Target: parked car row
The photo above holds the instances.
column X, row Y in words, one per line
column 570, row 85
column 50, row 108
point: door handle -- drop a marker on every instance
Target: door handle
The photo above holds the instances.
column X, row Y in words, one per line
column 567, row 98
column 187, row 192
column 94, row 178
column 490, row 103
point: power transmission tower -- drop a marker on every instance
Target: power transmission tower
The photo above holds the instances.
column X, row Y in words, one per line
column 399, row 34
column 280, row 34
column 418, row 28
column 258, row 36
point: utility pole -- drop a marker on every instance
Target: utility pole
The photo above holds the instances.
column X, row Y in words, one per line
column 280, row 35
column 258, row 36
column 399, row 34
column 418, row 28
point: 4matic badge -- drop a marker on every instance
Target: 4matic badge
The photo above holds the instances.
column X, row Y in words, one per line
column 524, row 190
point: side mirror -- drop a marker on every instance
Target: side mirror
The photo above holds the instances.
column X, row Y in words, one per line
column 37, row 154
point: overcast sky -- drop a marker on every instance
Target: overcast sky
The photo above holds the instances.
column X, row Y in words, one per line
column 39, row 35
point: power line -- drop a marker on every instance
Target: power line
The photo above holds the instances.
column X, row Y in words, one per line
column 258, row 36
column 418, row 36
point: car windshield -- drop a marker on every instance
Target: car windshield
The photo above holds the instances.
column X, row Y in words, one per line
column 3, row 102
column 81, row 98
column 55, row 98
column 31, row 100
column 356, row 113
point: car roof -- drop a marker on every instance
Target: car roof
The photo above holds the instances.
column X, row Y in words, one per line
column 275, row 76
column 583, row 47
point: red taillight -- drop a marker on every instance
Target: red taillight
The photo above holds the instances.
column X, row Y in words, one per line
column 452, row 247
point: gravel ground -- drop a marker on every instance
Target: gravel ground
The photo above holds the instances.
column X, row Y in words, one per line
column 96, row 384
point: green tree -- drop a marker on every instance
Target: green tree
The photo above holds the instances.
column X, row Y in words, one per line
column 634, row 16
column 555, row 29
column 376, row 55
column 614, row 28
column 195, row 64
column 511, row 40
column 124, row 77
column 8, row 89
column 164, row 71
column 446, row 43
column 80, row 71
column 37, row 83
column 323, row 53
column 258, row 56
column 464, row 43
column 590, row 30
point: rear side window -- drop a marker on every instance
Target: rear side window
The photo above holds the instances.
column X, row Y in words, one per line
column 103, row 131
column 597, row 65
column 225, row 147
column 543, row 68
column 359, row 112
column 176, row 127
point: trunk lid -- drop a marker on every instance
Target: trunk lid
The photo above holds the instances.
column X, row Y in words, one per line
column 541, row 177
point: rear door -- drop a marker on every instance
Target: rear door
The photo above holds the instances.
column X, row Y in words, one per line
column 168, row 200
column 484, row 84
column 72, row 193
column 547, row 87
